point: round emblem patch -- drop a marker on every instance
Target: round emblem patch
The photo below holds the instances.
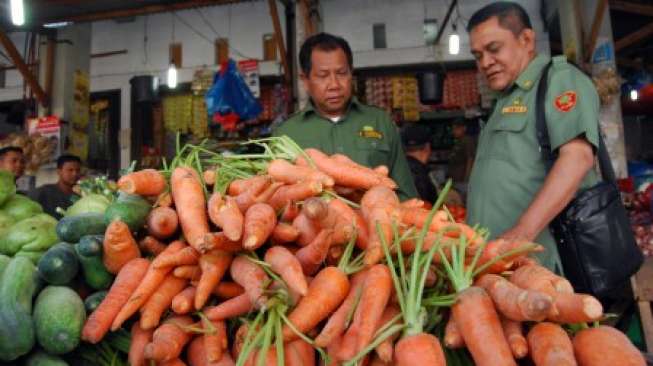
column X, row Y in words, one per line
column 565, row 101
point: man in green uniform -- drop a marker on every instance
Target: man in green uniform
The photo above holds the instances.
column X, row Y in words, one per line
column 510, row 191
column 335, row 122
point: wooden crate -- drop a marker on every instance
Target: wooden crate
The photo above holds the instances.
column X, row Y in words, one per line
column 642, row 283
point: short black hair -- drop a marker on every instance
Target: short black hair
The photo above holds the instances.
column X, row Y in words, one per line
column 323, row 42
column 7, row 149
column 67, row 158
column 511, row 16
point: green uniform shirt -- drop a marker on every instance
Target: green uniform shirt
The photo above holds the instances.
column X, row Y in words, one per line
column 509, row 170
column 365, row 134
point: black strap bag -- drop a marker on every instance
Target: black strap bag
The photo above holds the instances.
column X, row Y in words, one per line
column 596, row 243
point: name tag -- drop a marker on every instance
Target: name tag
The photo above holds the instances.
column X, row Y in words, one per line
column 514, row 109
column 370, row 133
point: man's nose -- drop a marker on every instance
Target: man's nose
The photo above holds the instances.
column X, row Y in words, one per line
column 332, row 82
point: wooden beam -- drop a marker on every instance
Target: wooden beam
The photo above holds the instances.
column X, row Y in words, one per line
column 49, row 67
column 109, row 53
column 309, row 26
column 278, row 35
column 630, row 7
column 634, row 37
column 445, row 21
column 41, row 96
column 601, row 9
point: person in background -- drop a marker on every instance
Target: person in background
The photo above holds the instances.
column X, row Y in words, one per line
column 335, row 122
column 12, row 160
column 462, row 156
column 417, row 143
column 51, row 196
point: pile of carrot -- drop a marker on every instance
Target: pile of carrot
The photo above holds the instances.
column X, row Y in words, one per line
column 314, row 260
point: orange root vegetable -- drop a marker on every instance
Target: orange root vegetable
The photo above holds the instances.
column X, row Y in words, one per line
column 215, row 342
column 98, row 323
column 220, row 241
column 289, row 212
column 151, row 281
column 385, row 350
column 417, row 216
column 379, row 206
column 382, row 170
column 226, row 215
column 419, row 349
column 169, row 339
column 190, row 272
column 284, row 233
column 307, row 228
column 173, row 362
column 354, row 175
column 499, row 247
column 254, row 189
column 182, row 303
column 151, row 245
column 605, row 346
column 253, row 279
column 452, row 337
column 184, row 257
column 238, row 186
column 295, row 192
column 334, row 255
column 340, row 218
column 162, row 222
column 214, row 265
column 146, row 182
column 284, row 171
column 228, row 290
column 575, row 308
column 284, row 263
column 260, row 220
column 237, row 306
column 412, row 204
column 190, row 202
column 313, row 255
column 550, row 346
column 513, row 302
column 209, row 176
column 160, row 301
column 479, row 324
column 515, row 337
column 315, row 209
column 139, row 339
column 196, row 355
column 164, row 200
column 325, row 293
column 536, row 277
column 119, row 246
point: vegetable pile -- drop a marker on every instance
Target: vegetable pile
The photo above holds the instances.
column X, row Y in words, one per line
column 641, row 218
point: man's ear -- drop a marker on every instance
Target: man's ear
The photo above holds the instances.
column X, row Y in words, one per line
column 527, row 39
column 304, row 78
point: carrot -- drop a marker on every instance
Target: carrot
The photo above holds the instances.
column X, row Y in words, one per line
column 284, row 171
column 515, row 337
column 315, row 209
column 480, row 327
column 260, row 220
column 162, row 222
column 379, row 206
column 160, row 301
column 220, row 241
column 140, row 338
column 382, row 170
column 536, row 277
column 355, row 176
column 189, row 200
column 284, row 263
column 254, row 188
column 419, row 349
column 296, row 192
column 412, row 204
column 252, row 277
column 417, row 216
column 237, row 306
column 173, row 362
column 327, row 290
column 226, row 215
column 575, row 308
column 182, row 303
column 151, row 245
column 289, row 212
column 385, row 350
column 184, row 257
column 499, row 247
column 605, row 346
column 214, row 265
column 305, row 351
column 307, row 228
column 119, row 246
column 209, row 176
column 228, row 290
column 284, row 233
column 146, row 182
column 513, row 302
column 196, row 355
column 340, row 218
column 164, row 200
column 238, row 186
column 190, row 272
column 452, row 337
column 100, row 320
column 215, row 340
column 312, row 256
column 169, row 339
column 550, row 345
column 147, row 286
column 239, row 340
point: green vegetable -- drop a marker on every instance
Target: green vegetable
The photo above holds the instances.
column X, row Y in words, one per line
column 93, row 301
column 33, row 234
column 4, row 262
column 71, row 228
column 7, row 186
column 59, row 265
column 21, row 207
column 59, row 317
column 40, row 358
column 89, row 253
column 6, row 220
column 35, row 257
column 92, row 203
column 131, row 209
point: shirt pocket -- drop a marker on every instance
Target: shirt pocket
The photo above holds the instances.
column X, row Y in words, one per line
column 372, row 152
column 508, row 137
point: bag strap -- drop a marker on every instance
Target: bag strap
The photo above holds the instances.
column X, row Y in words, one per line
column 605, row 165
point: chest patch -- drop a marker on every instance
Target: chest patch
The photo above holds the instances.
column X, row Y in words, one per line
column 370, row 133
column 566, row 101
column 514, row 109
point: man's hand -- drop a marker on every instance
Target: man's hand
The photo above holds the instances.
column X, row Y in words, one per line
column 519, row 233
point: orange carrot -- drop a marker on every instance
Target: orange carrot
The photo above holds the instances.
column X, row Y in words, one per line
column 146, row 182
column 284, row 233
column 228, row 290
column 173, row 362
column 190, row 272
column 515, row 337
column 162, row 222
column 513, row 302
column 382, row 170
column 254, row 188
column 140, row 338
column 283, row 262
column 253, row 279
column 536, row 277
column 325, row 293
column 124, row 285
column 215, row 342
column 169, row 339
column 238, row 186
column 226, row 215
column 184, row 257
column 419, row 349
column 312, row 256
column 196, row 355
column 340, row 219
column 146, row 287
column 209, row 176
column 412, row 204
column 289, row 212
column 575, row 308
column 385, row 350
column 307, row 228
column 160, row 301
column 296, row 192
column 182, row 303
column 606, row 346
column 260, row 220
column 284, row 171
column 499, row 247
column 151, row 245
column 355, row 176
column 237, row 306
column 550, row 346
column 452, row 337
column 220, row 241
column 379, row 206
column 189, row 200
column 164, row 200
column 119, row 246
column 315, row 209
column 214, row 265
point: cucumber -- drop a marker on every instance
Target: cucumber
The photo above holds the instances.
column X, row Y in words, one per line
column 59, row 265
column 40, row 358
column 129, row 208
column 89, row 253
column 16, row 324
column 93, row 301
column 59, row 317
column 91, row 245
column 71, row 228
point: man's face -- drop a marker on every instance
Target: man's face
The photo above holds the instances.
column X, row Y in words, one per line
column 69, row 173
column 459, row 131
column 329, row 82
column 14, row 162
column 500, row 55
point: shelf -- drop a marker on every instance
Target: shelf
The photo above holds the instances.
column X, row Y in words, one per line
column 444, row 114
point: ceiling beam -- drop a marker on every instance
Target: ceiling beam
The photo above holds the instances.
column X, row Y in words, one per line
column 631, row 7
column 446, row 20
column 601, row 9
column 278, row 35
column 634, row 37
column 16, row 58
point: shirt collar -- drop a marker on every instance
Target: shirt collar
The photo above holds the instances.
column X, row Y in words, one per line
column 310, row 108
column 531, row 75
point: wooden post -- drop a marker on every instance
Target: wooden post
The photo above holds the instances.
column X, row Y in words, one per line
column 631, row 7
column 596, row 25
column 41, row 96
column 634, row 37
column 49, row 68
column 278, row 35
